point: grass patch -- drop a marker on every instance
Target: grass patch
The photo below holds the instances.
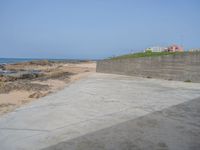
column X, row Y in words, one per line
column 149, row 77
column 146, row 54
column 187, row 81
column 1, row 84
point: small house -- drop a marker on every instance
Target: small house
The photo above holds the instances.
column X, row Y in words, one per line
column 175, row 48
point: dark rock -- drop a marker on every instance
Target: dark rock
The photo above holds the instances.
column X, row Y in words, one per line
column 36, row 95
column 2, row 67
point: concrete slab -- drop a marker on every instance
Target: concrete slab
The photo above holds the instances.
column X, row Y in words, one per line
column 98, row 102
column 174, row 128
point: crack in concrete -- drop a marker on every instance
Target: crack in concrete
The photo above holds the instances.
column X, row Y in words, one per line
column 18, row 129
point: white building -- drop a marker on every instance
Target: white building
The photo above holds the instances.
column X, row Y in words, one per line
column 156, row 49
column 195, row 50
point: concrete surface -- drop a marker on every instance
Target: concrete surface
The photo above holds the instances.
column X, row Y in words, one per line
column 174, row 128
column 108, row 112
column 179, row 67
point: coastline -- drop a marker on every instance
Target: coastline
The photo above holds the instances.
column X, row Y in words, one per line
column 25, row 86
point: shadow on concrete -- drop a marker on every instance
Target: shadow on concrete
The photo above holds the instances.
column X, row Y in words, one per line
column 174, row 128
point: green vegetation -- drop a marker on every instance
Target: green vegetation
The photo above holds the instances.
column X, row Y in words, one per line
column 149, row 77
column 187, row 81
column 146, row 54
column 1, row 84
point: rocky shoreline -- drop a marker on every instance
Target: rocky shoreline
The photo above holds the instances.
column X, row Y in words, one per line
column 32, row 80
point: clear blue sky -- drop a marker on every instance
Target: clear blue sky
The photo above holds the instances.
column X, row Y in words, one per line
column 95, row 28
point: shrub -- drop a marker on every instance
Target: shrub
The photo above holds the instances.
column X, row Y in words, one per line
column 188, row 80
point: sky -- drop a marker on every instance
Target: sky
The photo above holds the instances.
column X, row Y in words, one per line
column 95, row 29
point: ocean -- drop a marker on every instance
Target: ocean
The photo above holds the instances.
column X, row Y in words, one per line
column 14, row 60
column 17, row 60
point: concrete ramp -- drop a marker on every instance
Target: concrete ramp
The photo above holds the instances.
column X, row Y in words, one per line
column 69, row 119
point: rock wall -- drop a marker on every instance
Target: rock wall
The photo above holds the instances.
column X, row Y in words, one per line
column 182, row 67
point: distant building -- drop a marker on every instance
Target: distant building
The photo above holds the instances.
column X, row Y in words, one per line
column 171, row 48
column 175, row 48
column 156, row 49
column 195, row 50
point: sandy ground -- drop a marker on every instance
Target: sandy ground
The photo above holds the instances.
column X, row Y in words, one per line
column 16, row 98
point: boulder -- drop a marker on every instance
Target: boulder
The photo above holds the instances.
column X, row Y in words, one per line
column 37, row 95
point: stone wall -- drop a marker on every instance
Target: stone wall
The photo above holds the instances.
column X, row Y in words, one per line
column 182, row 67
